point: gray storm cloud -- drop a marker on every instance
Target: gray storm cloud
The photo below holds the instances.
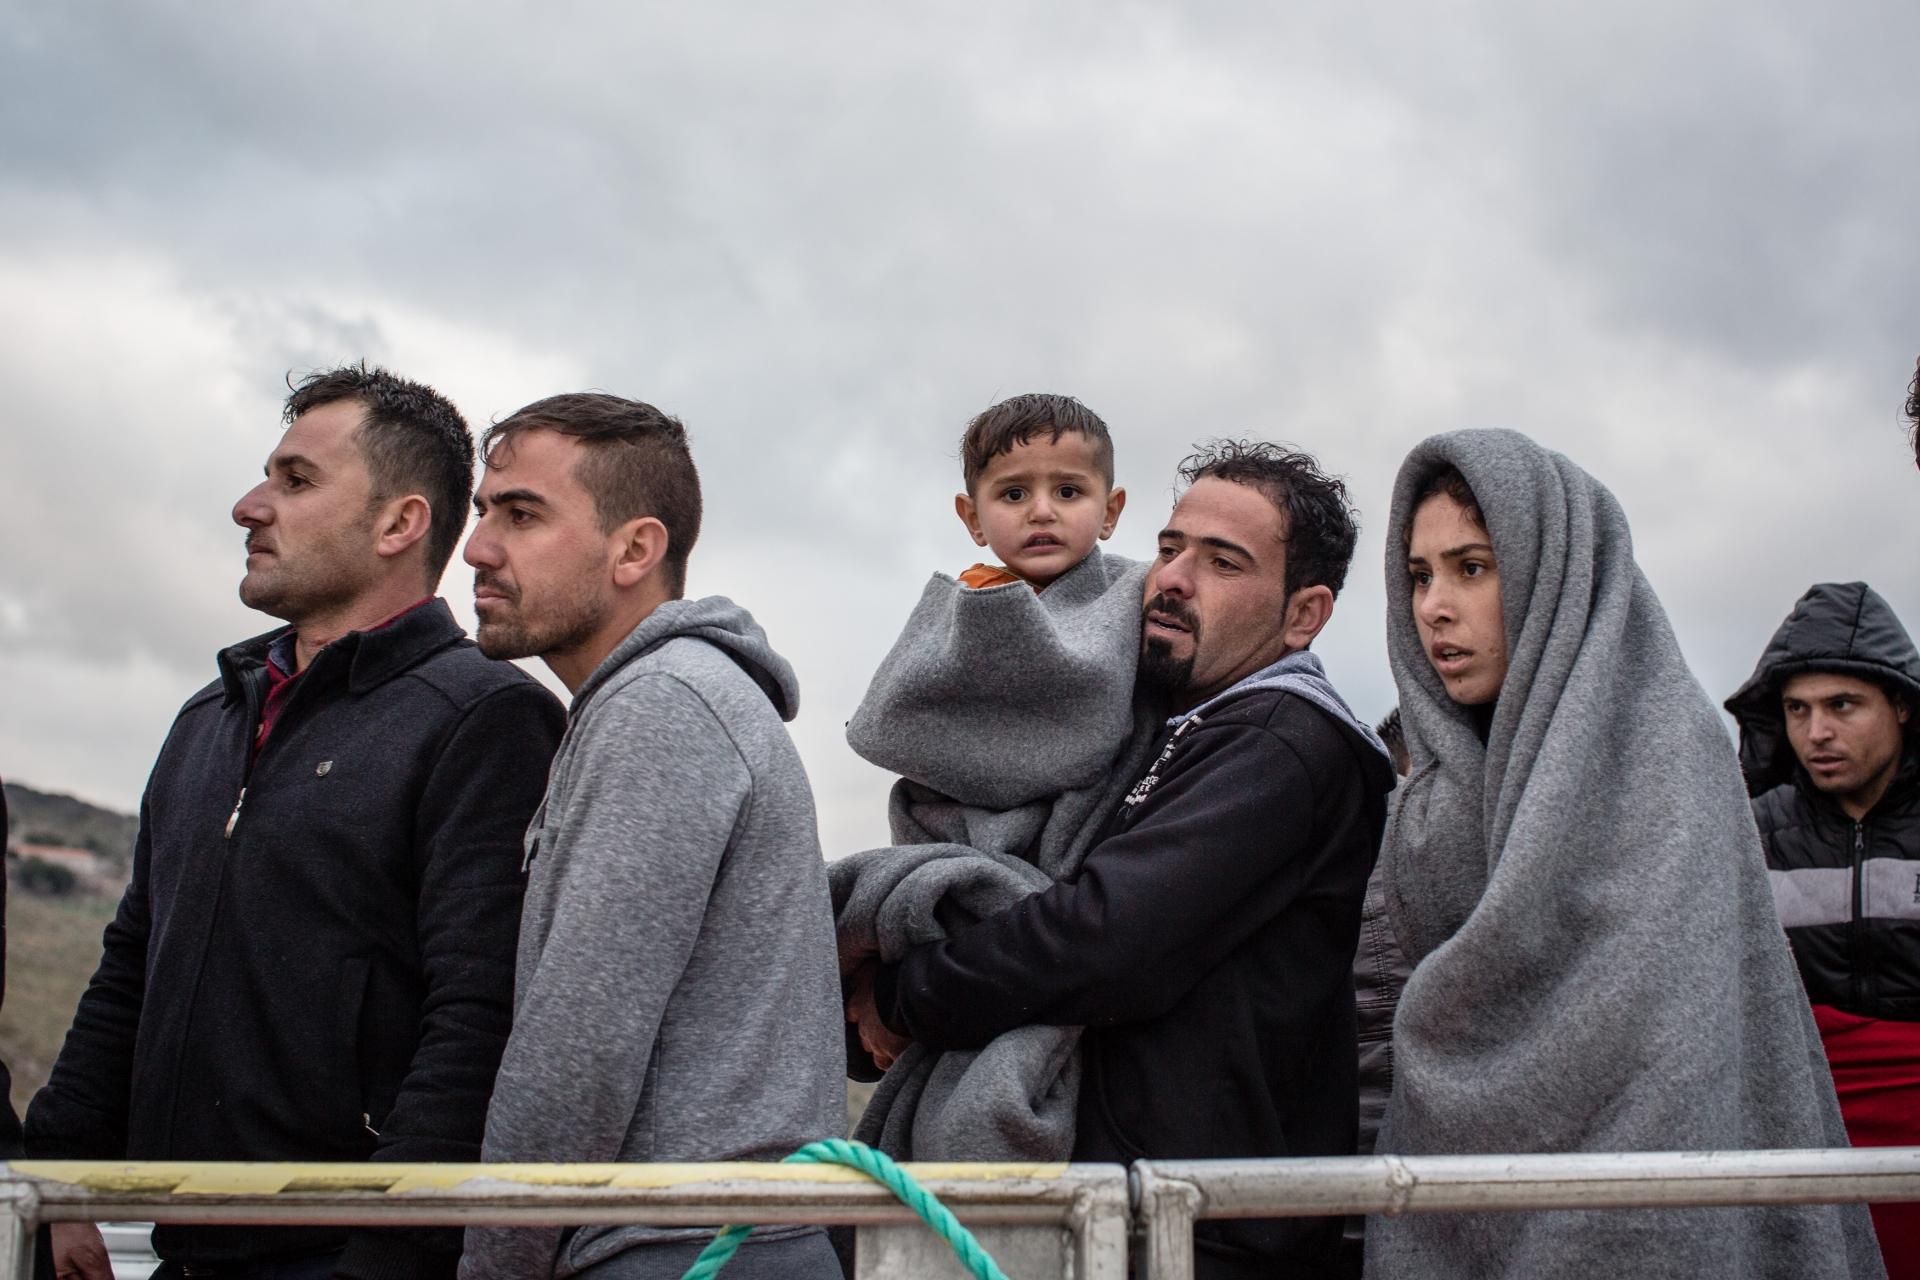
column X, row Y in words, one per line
column 1672, row 240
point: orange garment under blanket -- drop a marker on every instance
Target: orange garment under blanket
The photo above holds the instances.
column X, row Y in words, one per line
column 982, row 576
column 1876, row 1072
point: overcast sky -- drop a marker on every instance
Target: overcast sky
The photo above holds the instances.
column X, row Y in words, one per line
column 1675, row 240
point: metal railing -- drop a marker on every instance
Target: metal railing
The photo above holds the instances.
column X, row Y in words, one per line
column 1051, row 1220
column 1170, row 1195
column 1038, row 1219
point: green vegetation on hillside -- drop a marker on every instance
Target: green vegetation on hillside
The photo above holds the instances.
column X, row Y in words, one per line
column 53, row 925
column 43, row 817
column 53, row 945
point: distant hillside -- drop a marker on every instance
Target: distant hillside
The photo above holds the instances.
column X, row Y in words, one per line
column 53, row 942
column 41, row 817
column 53, row 945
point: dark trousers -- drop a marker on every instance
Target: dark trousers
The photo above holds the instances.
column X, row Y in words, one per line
column 807, row 1257
column 318, row 1266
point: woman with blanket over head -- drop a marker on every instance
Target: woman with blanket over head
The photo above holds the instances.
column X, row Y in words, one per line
column 1575, row 872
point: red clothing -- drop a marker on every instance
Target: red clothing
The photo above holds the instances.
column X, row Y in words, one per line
column 279, row 688
column 1876, row 1072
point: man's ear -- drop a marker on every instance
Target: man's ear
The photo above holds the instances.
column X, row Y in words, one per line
column 970, row 517
column 402, row 522
column 641, row 548
column 1308, row 610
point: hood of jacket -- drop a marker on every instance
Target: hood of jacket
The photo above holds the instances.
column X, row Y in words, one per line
column 1301, row 674
column 721, row 623
column 1843, row 627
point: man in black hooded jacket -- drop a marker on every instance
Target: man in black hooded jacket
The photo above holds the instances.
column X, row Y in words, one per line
column 1830, row 742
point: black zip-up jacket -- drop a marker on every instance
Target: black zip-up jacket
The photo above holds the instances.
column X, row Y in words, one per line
column 323, row 970
column 1207, row 945
column 1848, row 892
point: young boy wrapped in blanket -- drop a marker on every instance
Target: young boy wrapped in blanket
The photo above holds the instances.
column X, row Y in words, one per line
column 1006, row 707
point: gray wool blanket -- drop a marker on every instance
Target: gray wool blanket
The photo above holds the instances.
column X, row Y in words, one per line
column 1598, row 962
column 1010, row 718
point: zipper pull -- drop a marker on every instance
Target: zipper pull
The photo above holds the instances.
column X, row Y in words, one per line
column 366, row 1122
column 235, row 815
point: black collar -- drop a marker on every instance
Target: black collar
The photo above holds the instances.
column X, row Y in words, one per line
column 363, row 659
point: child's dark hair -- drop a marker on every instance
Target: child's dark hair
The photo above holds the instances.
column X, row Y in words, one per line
column 1015, row 420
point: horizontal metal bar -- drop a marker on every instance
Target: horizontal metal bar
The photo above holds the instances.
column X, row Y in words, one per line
column 1623, row 1180
column 550, row 1195
column 707, row 1195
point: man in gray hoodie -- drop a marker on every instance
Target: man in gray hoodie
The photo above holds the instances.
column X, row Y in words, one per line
column 677, row 996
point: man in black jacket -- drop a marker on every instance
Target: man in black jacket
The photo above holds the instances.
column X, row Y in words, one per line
column 314, row 956
column 1207, row 941
column 1830, row 743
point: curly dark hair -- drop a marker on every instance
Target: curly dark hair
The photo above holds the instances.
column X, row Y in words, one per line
column 1322, row 526
column 1913, row 412
column 1015, row 420
column 413, row 440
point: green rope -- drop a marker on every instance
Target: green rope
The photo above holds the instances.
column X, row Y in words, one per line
column 878, row 1166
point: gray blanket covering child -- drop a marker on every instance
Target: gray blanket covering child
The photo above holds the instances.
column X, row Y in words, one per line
column 1009, row 716
column 1598, row 962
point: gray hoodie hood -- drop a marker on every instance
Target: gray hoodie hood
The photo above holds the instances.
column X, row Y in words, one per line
column 721, row 623
column 1302, row 675
column 1844, row 627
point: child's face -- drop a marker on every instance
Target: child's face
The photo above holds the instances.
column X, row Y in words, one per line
column 1041, row 506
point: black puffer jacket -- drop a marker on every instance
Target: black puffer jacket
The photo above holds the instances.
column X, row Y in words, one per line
column 1848, row 892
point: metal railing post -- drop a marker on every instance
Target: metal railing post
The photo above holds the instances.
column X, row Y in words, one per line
column 19, row 1218
column 1102, row 1220
column 1164, row 1212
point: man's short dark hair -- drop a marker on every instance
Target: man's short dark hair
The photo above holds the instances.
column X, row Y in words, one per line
column 1321, row 525
column 413, row 440
column 1015, row 421
column 634, row 461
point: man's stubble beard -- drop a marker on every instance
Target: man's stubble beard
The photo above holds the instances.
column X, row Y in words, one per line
column 565, row 623
column 318, row 581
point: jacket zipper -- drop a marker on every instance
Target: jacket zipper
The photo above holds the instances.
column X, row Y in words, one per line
column 251, row 691
column 1856, row 931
